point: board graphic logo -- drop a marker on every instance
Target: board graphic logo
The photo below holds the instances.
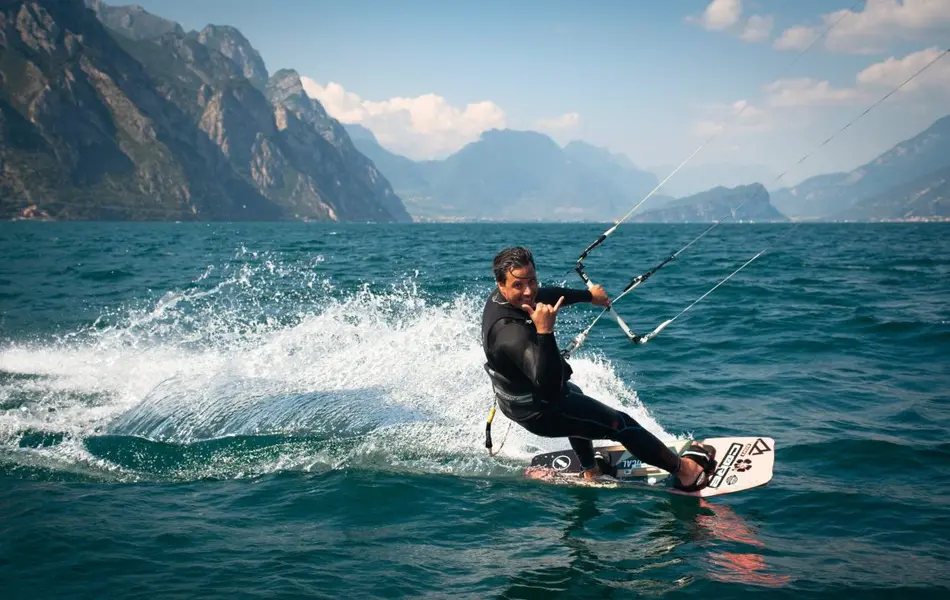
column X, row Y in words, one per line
column 743, row 464
column 759, row 447
column 726, row 465
column 630, row 464
column 732, row 479
column 561, row 462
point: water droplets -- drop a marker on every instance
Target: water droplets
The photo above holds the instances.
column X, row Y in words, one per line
column 271, row 367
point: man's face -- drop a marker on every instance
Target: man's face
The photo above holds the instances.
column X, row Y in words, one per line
column 520, row 286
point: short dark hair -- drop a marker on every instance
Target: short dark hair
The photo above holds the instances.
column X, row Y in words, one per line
column 511, row 258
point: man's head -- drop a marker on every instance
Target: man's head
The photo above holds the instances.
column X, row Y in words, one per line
column 515, row 275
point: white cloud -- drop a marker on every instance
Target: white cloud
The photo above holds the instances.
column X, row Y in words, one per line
column 740, row 116
column 726, row 16
column 340, row 104
column 721, row 14
column 789, row 102
column 746, row 110
column 880, row 23
column 423, row 127
column 757, row 29
column 894, row 71
column 804, row 91
column 796, row 38
column 869, row 83
column 561, row 123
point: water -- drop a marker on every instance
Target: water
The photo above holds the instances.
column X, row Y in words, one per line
column 298, row 410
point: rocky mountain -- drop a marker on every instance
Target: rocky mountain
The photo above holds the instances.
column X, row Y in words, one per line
column 133, row 21
column 829, row 195
column 98, row 124
column 513, row 175
column 742, row 203
column 232, row 43
column 924, row 197
column 285, row 91
column 136, row 23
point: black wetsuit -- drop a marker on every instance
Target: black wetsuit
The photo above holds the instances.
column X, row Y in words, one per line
column 530, row 379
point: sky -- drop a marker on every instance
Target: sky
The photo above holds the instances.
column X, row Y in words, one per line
column 648, row 78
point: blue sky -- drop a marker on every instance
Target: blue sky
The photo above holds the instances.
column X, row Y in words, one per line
column 650, row 79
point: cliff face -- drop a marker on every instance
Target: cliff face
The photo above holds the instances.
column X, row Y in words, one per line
column 231, row 43
column 133, row 21
column 96, row 124
column 286, row 92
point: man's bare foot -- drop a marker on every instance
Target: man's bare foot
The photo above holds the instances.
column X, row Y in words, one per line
column 689, row 471
column 592, row 473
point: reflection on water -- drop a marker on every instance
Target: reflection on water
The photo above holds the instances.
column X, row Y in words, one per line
column 749, row 568
column 644, row 544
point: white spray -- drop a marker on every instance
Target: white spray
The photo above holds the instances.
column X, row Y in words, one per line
column 389, row 380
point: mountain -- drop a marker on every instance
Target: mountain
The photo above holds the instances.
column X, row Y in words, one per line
column 405, row 175
column 615, row 168
column 97, row 124
column 285, row 91
column 697, row 177
column 232, row 43
column 133, row 21
column 513, row 175
column 828, row 195
column 923, row 198
column 136, row 23
column 716, row 204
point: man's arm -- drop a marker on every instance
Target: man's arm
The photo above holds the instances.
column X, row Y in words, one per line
column 549, row 295
column 536, row 355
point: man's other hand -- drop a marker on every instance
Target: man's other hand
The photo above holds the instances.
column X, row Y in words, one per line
column 600, row 297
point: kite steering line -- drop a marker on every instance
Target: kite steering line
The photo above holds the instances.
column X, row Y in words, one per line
column 639, row 279
column 578, row 341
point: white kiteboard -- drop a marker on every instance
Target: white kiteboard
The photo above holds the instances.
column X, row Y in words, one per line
column 743, row 463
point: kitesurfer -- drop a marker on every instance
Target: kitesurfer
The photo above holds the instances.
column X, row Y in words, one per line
column 530, row 376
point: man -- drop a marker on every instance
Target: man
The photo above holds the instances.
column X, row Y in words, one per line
column 530, row 377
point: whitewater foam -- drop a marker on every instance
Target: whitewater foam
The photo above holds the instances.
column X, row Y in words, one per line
column 392, row 379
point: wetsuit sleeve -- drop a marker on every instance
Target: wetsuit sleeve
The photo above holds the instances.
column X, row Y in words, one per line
column 549, row 295
column 535, row 354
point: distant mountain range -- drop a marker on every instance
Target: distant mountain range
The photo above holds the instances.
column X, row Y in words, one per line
column 904, row 182
column 523, row 175
column 923, row 197
column 512, row 175
column 110, row 112
column 741, row 203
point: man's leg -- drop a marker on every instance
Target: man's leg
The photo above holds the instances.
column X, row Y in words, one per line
column 620, row 427
column 584, row 449
column 583, row 418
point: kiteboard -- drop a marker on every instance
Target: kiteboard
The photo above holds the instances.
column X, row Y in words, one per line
column 743, row 463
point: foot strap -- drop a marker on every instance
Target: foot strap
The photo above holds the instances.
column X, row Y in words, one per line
column 705, row 457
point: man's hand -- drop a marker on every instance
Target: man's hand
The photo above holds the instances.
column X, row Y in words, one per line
column 600, row 297
column 543, row 315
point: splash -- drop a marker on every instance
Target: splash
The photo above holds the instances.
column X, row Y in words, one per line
column 259, row 366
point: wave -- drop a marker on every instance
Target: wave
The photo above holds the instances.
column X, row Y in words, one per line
column 263, row 368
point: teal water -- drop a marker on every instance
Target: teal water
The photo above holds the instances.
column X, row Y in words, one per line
column 282, row 410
